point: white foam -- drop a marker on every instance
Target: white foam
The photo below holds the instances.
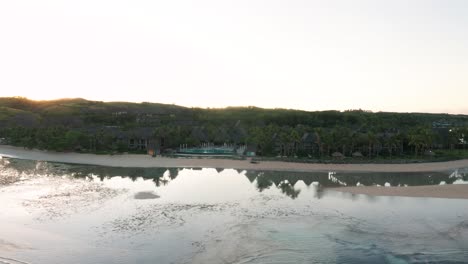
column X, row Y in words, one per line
column 460, row 181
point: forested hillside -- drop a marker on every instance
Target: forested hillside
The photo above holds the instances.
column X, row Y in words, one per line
column 91, row 126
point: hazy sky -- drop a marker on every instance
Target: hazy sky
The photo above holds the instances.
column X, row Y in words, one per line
column 392, row 55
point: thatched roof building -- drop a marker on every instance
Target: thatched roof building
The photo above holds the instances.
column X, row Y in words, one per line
column 357, row 154
column 338, row 155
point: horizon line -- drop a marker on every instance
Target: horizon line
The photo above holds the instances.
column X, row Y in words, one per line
column 234, row 106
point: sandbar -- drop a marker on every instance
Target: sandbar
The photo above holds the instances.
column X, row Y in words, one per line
column 452, row 191
column 140, row 160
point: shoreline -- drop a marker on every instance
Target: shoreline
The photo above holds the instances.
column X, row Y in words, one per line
column 146, row 161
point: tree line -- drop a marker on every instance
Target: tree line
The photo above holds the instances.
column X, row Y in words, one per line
column 270, row 140
column 82, row 125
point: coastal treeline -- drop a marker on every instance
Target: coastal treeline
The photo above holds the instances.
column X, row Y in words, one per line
column 90, row 126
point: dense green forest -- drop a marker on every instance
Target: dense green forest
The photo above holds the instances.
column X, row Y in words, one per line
column 92, row 126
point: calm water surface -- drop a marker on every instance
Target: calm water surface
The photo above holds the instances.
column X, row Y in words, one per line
column 61, row 213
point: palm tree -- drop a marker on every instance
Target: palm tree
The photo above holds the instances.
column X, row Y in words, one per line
column 392, row 143
column 320, row 142
column 354, row 139
column 421, row 139
column 415, row 140
column 453, row 138
column 372, row 141
column 295, row 138
column 427, row 138
column 346, row 139
column 326, row 140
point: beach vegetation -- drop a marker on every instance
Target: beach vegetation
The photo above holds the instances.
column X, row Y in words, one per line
column 117, row 127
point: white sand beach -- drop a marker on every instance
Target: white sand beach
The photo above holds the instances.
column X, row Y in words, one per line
column 136, row 160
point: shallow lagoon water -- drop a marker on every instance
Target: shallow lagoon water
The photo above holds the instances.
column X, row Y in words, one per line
column 61, row 213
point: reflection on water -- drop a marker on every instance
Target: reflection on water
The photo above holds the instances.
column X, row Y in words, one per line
column 93, row 214
column 262, row 180
column 285, row 181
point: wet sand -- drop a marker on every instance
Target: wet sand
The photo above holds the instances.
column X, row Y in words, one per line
column 454, row 191
column 135, row 160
